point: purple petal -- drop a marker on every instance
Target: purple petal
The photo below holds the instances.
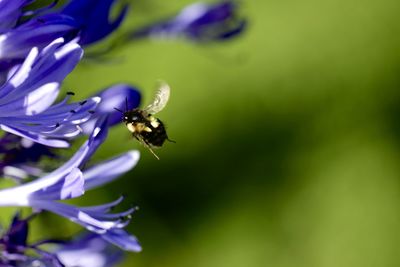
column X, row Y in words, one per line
column 199, row 22
column 51, row 65
column 11, row 10
column 98, row 136
column 116, row 96
column 27, row 96
column 89, row 250
column 37, row 32
column 35, row 137
column 93, row 18
column 17, row 234
column 70, row 187
column 54, row 186
column 113, row 97
column 76, row 215
column 105, row 207
column 109, row 170
column 122, row 239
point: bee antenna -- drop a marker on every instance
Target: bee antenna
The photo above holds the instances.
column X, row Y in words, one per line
column 126, row 104
column 117, row 109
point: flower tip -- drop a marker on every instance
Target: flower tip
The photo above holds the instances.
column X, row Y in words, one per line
column 96, row 99
column 134, row 155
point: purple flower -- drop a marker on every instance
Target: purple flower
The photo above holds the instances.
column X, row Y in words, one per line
column 92, row 17
column 38, row 49
column 119, row 96
column 89, row 250
column 27, row 96
column 86, row 20
column 20, row 157
column 198, row 22
column 71, row 181
column 37, row 32
column 16, row 251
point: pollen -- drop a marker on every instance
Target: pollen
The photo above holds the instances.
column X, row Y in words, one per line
column 154, row 122
column 131, row 128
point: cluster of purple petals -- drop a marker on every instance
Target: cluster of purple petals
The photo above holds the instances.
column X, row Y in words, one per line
column 39, row 46
column 71, row 180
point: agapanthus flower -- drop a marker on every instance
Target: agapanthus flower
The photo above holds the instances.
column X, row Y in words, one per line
column 36, row 32
column 17, row 252
column 93, row 18
column 70, row 181
column 27, row 96
column 88, row 250
column 88, row 21
column 198, row 22
column 20, row 157
column 38, row 49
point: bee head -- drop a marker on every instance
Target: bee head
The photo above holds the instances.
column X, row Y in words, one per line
column 132, row 116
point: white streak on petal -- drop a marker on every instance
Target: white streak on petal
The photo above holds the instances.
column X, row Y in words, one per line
column 23, row 72
column 40, row 99
column 11, row 171
column 65, row 50
column 56, row 42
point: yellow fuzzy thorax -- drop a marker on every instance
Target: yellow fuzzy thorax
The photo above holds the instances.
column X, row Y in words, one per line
column 138, row 127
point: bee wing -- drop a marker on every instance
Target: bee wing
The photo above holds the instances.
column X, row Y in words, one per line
column 160, row 99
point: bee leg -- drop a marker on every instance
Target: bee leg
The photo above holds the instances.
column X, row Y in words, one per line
column 172, row 141
column 147, row 145
column 152, row 152
column 149, row 148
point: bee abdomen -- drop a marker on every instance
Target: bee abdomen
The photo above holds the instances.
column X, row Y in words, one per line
column 157, row 136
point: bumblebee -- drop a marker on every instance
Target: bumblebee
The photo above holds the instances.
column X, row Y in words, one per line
column 147, row 129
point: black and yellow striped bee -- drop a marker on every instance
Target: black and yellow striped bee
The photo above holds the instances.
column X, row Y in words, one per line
column 147, row 129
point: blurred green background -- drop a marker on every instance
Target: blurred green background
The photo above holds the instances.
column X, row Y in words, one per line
column 288, row 138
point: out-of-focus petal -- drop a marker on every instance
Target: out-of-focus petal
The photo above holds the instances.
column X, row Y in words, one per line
column 119, row 96
column 11, row 10
column 122, row 239
column 93, row 17
column 106, row 171
column 198, row 22
column 89, row 250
